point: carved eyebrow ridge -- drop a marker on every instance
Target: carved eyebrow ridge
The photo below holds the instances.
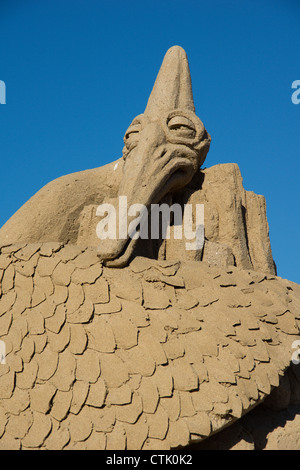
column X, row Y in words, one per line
column 177, row 121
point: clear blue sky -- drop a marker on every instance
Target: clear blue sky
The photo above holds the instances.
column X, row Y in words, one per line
column 78, row 71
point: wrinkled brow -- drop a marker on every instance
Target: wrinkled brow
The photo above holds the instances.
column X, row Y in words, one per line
column 137, row 120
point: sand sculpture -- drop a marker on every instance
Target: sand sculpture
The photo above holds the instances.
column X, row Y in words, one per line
column 131, row 344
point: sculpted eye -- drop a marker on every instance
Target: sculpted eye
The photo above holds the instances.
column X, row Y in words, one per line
column 182, row 126
column 132, row 135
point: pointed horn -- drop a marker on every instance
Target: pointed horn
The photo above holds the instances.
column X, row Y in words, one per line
column 173, row 85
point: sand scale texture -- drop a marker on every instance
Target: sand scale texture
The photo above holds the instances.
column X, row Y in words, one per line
column 150, row 357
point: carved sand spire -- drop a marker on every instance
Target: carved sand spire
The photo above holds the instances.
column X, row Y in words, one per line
column 173, row 85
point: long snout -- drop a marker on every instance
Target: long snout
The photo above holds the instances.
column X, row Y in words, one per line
column 152, row 169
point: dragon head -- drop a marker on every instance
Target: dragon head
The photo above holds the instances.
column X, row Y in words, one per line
column 164, row 147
